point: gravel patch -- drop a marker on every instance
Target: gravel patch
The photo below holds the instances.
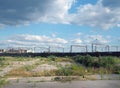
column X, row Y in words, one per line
column 63, row 64
column 15, row 65
column 44, row 67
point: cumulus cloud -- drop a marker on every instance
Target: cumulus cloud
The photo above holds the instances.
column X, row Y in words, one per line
column 97, row 16
column 79, row 34
column 29, row 41
column 99, row 39
column 89, row 39
column 111, row 3
column 76, row 41
column 33, row 40
column 16, row 12
column 104, row 14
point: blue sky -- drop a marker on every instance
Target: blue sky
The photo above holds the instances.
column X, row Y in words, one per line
column 59, row 22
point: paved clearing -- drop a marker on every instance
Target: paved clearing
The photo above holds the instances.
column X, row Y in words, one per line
column 73, row 84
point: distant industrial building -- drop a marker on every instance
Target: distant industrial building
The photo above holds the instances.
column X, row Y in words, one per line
column 16, row 51
column 2, row 50
column 12, row 50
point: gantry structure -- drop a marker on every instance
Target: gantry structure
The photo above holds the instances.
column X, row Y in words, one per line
column 57, row 49
column 79, row 46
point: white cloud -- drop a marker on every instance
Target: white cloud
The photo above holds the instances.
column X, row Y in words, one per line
column 111, row 3
column 79, row 34
column 104, row 14
column 76, row 41
column 19, row 12
column 33, row 40
column 97, row 16
column 118, row 25
column 53, row 34
column 96, row 39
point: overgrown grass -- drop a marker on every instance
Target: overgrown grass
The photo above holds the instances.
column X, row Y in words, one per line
column 72, row 70
column 107, row 63
column 83, row 65
column 3, row 82
column 3, row 62
column 24, row 71
column 59, row 59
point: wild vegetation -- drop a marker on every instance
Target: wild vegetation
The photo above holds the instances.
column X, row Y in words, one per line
column 3, row 82
column 3, row 62
column 63, row 68
column 80, row 66
column 105, row 64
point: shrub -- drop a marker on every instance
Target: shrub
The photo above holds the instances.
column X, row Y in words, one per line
column 2, row 82
column 51, row 57
column 107, row 62
column 73, row 70
column 28, row 67
column 89, row 61
column 65, row 79
column 117, row 69
column 2, row 61
column 63, row 72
